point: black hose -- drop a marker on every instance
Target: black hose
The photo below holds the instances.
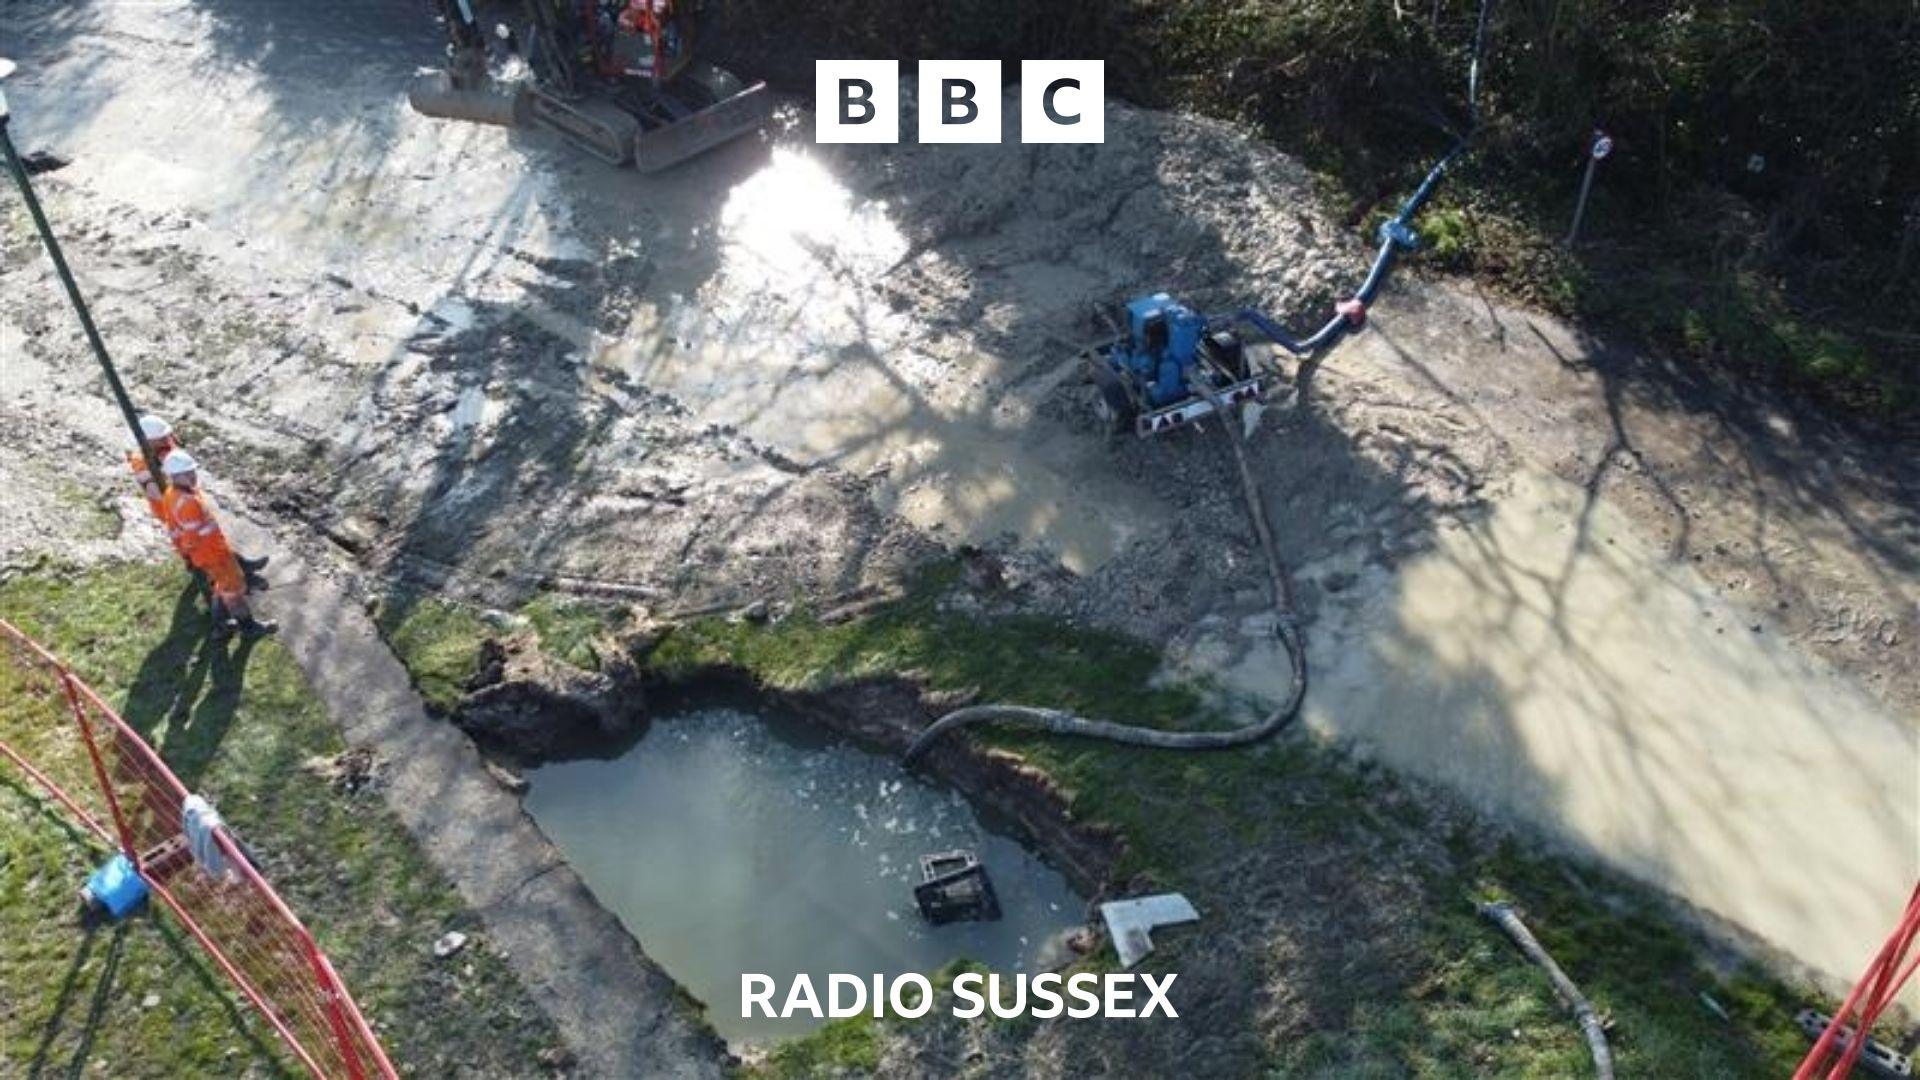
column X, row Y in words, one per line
column 1286, row 627
column 1286, row 630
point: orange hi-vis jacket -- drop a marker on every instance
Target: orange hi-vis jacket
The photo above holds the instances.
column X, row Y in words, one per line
column 202, row 541
column 156, row 493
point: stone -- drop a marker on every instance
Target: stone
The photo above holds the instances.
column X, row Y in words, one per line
column 507, row 778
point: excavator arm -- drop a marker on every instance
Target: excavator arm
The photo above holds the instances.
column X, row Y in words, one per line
column 466, row 42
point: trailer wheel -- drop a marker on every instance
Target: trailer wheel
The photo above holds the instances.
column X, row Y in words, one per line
column 1116, row 406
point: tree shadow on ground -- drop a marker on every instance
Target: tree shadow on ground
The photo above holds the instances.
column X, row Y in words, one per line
column 42, row 37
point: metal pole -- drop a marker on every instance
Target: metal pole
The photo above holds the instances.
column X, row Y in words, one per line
column 20, row 181
column 1580, row 204
column 1600, row 147
column 127, row 845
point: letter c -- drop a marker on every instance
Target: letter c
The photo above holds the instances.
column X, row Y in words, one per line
column 1046, row 101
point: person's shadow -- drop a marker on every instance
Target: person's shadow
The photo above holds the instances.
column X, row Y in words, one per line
column 193, row 684
column 159, row 682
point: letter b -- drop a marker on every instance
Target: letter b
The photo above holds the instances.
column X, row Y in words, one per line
column 856, row 94
column 959, row 101
column 856, row 101
column 956, row 96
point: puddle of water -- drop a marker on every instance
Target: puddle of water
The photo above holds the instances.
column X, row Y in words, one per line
column 1581, row 679
column 730, row 842
column 790, row 340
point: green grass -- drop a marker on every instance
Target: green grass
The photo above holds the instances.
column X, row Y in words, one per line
column 1480, row 1009
column 1456, row 1012
column 1740, row 321
column 75, row 999
column 568, row 629
column 243, row 728
column 849, row 1047
column 440, row 641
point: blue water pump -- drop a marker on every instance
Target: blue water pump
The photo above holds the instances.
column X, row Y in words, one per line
column 1172, row 366
column 1149, row 377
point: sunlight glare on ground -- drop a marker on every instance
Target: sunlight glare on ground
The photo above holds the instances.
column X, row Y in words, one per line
column 782, row 219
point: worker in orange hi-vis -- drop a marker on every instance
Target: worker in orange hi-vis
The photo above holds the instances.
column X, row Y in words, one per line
column 205, row 546
column 159, row 437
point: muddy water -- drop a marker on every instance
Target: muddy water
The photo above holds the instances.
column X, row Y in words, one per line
column 761, row 313
column 729, row 842
column 775, row 328
column 1555, row 666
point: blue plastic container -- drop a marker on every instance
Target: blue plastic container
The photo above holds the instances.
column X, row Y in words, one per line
column 117, row 886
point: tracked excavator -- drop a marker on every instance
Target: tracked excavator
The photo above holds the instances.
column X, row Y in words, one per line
column 616, row 78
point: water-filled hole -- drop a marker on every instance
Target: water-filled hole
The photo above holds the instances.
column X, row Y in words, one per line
column 731, row 841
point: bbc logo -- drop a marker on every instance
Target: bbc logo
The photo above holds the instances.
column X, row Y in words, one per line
column 858, row 101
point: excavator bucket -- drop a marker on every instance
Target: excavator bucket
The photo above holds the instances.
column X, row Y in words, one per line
column 704, row 108
column 435, row 93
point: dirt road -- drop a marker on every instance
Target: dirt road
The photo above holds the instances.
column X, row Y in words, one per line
column 1662, row 619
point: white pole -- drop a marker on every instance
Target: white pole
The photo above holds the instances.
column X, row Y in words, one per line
column 1602, row 146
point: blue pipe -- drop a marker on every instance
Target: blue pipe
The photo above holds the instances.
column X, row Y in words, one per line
column 1395, row 233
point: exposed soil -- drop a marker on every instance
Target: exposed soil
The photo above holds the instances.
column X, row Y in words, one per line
column 529, row 705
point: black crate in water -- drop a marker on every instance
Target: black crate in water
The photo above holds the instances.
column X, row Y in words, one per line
column 954, row 887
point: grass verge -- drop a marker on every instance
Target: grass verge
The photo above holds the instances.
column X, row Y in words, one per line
column 439, row 639
column 244, row 728
column 1464, row 1004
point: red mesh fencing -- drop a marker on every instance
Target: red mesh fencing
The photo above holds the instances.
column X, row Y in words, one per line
column 1845, row 1039
column 74, row 747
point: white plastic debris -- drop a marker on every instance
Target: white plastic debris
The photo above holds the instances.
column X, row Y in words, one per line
column 1131, row 922
column 201, row 824
column 450, row 942
column 1250, row 414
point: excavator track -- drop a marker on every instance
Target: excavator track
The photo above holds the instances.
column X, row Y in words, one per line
column 599, row 127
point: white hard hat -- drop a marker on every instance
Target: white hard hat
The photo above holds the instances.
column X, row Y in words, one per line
column 177, row 462
column 153, row 429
